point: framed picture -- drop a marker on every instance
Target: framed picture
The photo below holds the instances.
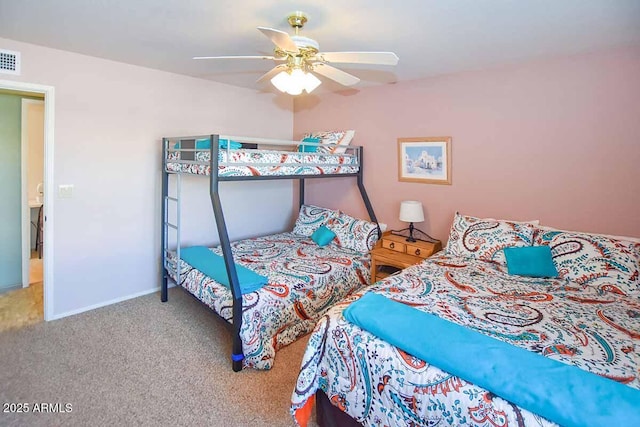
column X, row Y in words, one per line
column 426, row 160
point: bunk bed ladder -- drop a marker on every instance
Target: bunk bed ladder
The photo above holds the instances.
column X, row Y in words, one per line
column 166, row 225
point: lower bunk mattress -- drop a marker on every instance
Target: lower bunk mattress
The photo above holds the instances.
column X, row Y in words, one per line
column 378, row 384
column 304, row 281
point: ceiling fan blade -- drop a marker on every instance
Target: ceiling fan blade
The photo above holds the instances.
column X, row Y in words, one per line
column 280, row 39
column 237, row 57
column 382, row 58
column 333, row 73
column 272, row 72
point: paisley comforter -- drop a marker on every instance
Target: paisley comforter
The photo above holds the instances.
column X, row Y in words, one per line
column 379, row 385
column 247, row 162
column 304, row 281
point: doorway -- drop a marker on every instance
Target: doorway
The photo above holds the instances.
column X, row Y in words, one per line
column 39, row 198
column 32, row 192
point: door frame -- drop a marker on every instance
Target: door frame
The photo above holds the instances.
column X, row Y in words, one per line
column 26, row 209
column 49, row 122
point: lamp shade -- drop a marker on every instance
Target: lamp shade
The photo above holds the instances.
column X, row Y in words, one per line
column 411, row 211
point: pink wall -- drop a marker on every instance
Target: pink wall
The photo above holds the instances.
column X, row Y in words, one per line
column 555, row 140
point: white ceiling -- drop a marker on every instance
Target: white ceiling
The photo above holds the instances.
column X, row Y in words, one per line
column 431, row 37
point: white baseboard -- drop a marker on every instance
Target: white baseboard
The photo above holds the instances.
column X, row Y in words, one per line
column 106, row 303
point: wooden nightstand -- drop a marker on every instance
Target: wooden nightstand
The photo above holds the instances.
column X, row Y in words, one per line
column 393, row 253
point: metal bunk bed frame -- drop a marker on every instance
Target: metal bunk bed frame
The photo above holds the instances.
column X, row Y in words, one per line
column 237, row 354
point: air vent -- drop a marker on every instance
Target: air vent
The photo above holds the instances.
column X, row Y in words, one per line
column 9, row 62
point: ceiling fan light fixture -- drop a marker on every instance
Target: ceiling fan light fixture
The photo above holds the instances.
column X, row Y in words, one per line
column 295, row 81
column 281, row 81
column 311, row 82
column 301, row 55
column 298, row 81
column 295, row 90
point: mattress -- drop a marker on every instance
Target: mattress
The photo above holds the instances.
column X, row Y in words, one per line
column 379, row 384
column 253, row 162
column 305, row 280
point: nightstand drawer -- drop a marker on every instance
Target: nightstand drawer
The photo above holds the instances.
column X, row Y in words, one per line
column 394, row 252
column 394, row 246
column 420, row 251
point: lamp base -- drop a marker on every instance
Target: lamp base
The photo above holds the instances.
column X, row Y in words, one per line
column 411, row 238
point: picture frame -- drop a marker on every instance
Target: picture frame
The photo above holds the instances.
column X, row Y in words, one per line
column 425, row 159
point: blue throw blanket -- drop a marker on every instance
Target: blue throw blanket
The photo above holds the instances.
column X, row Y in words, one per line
column 562, row 393
column 213, row 266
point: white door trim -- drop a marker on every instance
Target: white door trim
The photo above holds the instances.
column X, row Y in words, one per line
column 26, row 210
column 49, row 121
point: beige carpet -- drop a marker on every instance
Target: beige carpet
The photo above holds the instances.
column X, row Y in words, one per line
column 141, row 362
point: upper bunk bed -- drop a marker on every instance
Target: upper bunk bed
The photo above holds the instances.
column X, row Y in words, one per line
column 237, row 158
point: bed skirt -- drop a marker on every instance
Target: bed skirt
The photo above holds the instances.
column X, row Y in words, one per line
column 328, row 415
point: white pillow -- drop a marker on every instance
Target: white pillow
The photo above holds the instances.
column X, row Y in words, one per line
column 341, row 138
column 310, row 218
column 356, row 234
column 609, row 264
column 485, row 238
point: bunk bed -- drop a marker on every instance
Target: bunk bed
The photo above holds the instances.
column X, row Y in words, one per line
column 497, row 349
column 234, row 158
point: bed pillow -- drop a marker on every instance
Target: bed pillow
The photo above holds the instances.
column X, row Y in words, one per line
column 309, row 148
column 323, row 236
column 485, row 238
column 311, row 218
column 608, row 264
column 544, row 228
column 233, row 145
column 352, row 233
column 530, row 261
column 340, row 137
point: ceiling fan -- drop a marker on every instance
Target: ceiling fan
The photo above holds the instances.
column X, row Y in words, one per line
column 301, row 58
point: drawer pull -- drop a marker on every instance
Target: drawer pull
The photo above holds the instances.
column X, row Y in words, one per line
column 392, row 245
column 418, row 252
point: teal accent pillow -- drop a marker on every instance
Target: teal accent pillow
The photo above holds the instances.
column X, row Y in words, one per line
column 323, row 236
column 531, row 261
column 205, row 144
column 222, row 144
column 309, row 148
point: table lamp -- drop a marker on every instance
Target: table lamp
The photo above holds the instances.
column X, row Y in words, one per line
column 411, row 211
